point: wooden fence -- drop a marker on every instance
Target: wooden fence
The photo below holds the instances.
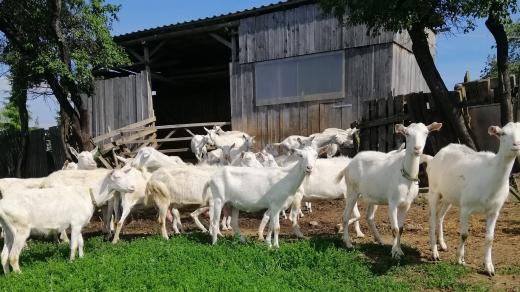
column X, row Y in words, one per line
column 380, row 116
column 119, row 102
column 127, row 140
column 44, row 153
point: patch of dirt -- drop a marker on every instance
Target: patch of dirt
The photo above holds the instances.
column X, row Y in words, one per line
column 327, row 214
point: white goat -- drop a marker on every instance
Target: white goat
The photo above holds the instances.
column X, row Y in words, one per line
column 475, row 182
column 247, row 159
column 293, row 142
column 253, row 189
column 51, row 209
column 386, row 179
column 266, row 159
column 199, row 146
column 152, row 159
column 85, row 159
column 321, row 185
column 129, row 200
column 179, row 186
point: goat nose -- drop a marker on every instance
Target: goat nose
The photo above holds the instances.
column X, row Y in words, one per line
column 417, row 147
column 517, row 143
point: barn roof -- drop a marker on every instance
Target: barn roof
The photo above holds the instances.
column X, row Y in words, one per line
column 223, row 19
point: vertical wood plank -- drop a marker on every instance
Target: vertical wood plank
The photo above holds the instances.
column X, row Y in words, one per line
column 381, row 131
column 390, row 127
column 398, row 109
column 304, row 119
column 313, row 113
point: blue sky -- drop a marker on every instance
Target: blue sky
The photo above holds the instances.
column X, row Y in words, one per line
column 456, row 52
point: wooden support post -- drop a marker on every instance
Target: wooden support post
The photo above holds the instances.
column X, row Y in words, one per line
column 234, row 50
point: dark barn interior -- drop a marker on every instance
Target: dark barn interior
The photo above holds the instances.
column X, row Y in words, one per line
column 189, row 70
column 190, row 78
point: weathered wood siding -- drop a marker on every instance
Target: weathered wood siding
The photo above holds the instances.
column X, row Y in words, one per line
column 406, row 76
column 272, row 123
column 375, row 67
column 300, row 31
column 118, row 102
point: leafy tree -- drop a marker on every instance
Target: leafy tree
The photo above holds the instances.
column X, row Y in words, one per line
column 513, row 35
column 61, row 42
column 498, row 14
column 9, row 118
column 417, row 17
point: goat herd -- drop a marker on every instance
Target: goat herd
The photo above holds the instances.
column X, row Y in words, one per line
column 231, row 178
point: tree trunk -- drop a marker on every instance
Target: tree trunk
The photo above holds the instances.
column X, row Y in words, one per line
column 79, row 116
column 19, row 94
column 440, row 93
column 496, row 27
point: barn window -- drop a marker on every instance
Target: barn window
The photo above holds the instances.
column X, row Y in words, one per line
column 305, row 78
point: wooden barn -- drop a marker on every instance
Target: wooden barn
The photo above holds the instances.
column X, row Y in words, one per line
column 271, row 71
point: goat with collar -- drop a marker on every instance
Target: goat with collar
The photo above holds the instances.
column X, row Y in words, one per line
column 387, row 179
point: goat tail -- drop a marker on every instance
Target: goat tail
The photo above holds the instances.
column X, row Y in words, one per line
column 341, row 175
column 155, row 190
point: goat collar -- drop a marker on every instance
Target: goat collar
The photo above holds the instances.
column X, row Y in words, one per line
column 409, row 177
column 91, row 193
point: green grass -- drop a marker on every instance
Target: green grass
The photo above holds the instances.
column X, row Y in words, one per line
column 189, row 262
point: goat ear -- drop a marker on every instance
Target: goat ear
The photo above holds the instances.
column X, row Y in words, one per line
column 73, row 151
column 400, row 128
column 242, row 154
column 312, row 138
column 434, row 126
column 299, row 140
column 93, row 152
column 495, row 131
column 207, row 131
column 232, row 146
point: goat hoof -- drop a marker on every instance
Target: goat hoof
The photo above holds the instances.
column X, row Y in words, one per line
column 443, row 247
column 360, row 235
column 490, row 269
column 461, row 261
column 397, row 253
column 348, row 245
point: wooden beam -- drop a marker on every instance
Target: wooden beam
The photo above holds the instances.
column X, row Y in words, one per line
column 221, row 40
column 202, row 29
column 175, row 150
column 192, row 125
column 157, row 48
column 161, row 140
column 130, row 128
column 136, row 55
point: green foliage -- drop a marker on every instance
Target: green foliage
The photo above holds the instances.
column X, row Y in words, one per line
column 513, row 35
column 400, row 15
column 190, row 263
column 86, row 28
column 9, row 117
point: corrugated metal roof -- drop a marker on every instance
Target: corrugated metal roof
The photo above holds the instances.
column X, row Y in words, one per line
column 213, row 19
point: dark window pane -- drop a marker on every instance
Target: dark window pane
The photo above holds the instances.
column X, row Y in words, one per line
column 320, row 74
column 298, row 77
